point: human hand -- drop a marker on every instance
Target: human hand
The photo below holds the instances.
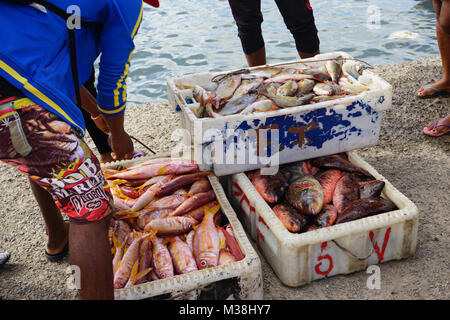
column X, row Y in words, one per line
column 122, row 146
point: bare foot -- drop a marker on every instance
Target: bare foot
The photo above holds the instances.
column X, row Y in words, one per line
column 440, row 126
column 440, row 85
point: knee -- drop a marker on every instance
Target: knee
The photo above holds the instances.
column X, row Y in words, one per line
column 444, row 23
column 446, row 28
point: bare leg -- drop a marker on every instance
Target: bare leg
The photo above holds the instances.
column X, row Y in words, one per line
column 90, row 251
column 54, row 222
column 256, row 58
column 443, row 37
column 305, row 55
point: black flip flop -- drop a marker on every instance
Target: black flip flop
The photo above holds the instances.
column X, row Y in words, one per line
column 58, row 256
column 437, row 93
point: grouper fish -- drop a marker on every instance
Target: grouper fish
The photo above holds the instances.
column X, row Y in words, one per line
column 306, row 195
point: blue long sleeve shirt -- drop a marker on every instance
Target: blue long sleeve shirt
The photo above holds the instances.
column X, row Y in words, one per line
column 35, row 56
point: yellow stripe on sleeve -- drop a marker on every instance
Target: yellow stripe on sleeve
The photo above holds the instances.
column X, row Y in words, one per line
column 34, row 91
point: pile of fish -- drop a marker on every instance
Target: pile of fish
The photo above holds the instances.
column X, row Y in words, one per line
column 321, row 192
column 167, row 222
column 272, row 88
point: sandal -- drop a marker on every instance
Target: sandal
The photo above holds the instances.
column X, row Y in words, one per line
column 438, row 93
column 436, row 124
column 58, row 256
column 4, row 257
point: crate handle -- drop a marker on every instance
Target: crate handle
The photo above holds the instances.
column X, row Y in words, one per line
column 347, row 251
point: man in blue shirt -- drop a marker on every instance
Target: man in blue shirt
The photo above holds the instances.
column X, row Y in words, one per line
column 41, row 127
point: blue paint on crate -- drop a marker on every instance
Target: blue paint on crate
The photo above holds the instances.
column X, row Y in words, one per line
column 313, row 128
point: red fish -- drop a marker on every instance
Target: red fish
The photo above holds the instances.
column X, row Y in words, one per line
column 206, row 241
column 135, row 183
column 347, row 190
column 306, row 195
column 118, row 255
column 327, row 216
column 121, row 230
column 145, row 262
column 146, row 216
column 177, row 166
column 171, row 226
column 194, row 202
column 328, row 180
column 371, row 188
column 190, row 239
column 126, row 265
column 290, row 217
column 232, row 245
column 200, row 186
column 338, row 162
column 182, row 257
column 362, row 208
column 270, row 187
column 162, row 261
column 199, row 213
column 308, row 168
column 169, row 202
column 150, row 193
column 129, row 192
column 180, row 182
column 225, row 257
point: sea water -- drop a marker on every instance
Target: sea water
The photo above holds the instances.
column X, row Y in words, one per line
column 184, row 37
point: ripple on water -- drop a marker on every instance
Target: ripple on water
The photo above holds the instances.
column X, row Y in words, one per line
column 184, row 37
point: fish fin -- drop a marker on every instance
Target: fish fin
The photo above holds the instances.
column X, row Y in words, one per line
column 115, row 242
column 118, row 182
column 134, row 272
column 151, row 234
column 223, row 240
column 118, row 265
column 162, row 171
column 143, row 273
column 212, row 210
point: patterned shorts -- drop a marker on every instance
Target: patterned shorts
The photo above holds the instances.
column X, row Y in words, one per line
column 60, row 161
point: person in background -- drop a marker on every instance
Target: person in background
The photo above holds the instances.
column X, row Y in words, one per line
column 297, row 15
column 42, row 128
column 441, row 126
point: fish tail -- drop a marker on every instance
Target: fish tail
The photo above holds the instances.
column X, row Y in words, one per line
column 212, row 211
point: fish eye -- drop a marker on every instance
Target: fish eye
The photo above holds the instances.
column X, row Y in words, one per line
column 163, row 276
column 203, row 263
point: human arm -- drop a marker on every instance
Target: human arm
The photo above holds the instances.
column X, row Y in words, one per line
column 89, row 103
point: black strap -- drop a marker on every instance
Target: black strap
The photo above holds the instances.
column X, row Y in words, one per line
column 72, row 43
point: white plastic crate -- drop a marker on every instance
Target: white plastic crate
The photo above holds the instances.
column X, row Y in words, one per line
column 298, row 259
column 241, row 280
column 291, row 134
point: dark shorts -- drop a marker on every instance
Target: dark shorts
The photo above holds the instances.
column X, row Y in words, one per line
column 297, row 15
column 60, row 162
